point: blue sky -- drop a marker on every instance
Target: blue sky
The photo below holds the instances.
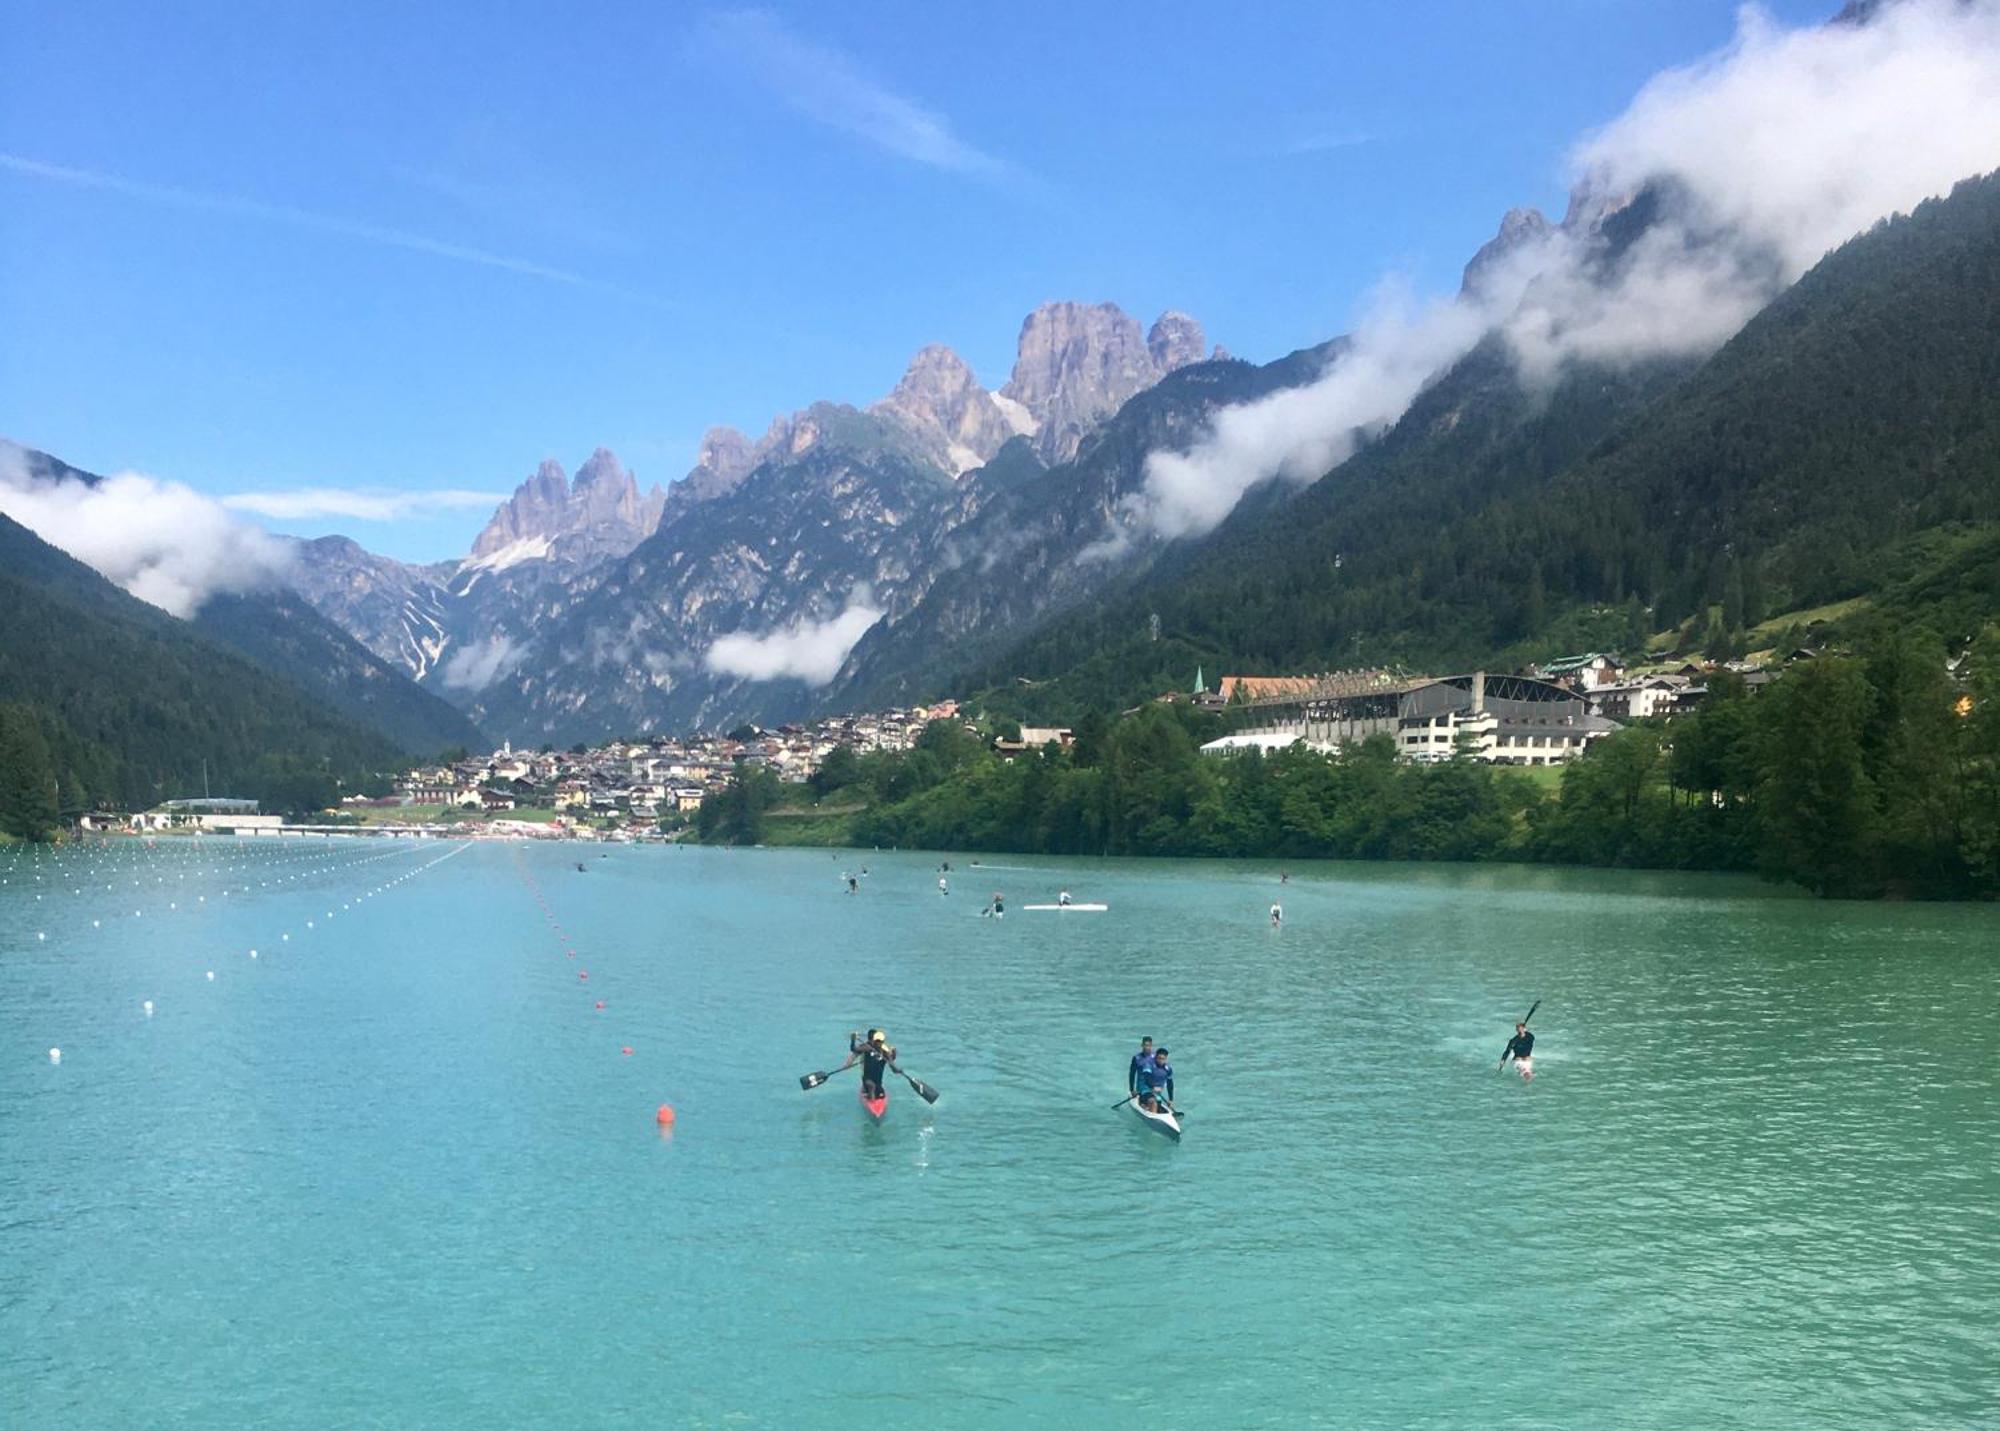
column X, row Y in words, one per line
column 416, row 249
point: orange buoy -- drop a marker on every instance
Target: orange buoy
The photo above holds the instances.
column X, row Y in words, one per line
column 665, row 1116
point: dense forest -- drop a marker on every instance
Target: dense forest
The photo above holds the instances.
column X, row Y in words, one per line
column 106, row 701
column 1846, row 444
column 1875, row 774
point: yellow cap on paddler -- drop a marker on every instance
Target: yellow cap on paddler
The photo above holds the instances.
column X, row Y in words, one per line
column 877, row 1036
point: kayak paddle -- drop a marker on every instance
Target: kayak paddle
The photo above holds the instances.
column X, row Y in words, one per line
column 1524, row 1019
column 814, row 1080
column 923, row 1090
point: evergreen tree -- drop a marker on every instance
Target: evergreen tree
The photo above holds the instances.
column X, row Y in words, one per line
column 1816, row 804
column 27, row 776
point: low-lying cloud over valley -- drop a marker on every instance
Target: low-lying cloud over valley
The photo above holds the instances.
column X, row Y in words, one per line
column 810, row 651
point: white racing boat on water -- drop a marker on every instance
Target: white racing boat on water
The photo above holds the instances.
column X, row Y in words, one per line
column 1071, row 908
column 1159, row 1120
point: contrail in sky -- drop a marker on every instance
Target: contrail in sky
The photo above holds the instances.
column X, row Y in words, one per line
column 285, row 214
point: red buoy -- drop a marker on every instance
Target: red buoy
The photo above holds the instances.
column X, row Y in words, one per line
column 627, row 1050
column 600, row 1003
column 665, row 1116
column 583, row 973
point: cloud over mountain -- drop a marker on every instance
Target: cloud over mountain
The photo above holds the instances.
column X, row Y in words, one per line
column 1717, row 187
column 162, row 541
column 810, row 651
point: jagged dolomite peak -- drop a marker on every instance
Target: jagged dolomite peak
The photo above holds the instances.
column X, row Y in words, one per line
column 1175, row 341
column 940, row 403
column 602, row 515
column 1078, row 363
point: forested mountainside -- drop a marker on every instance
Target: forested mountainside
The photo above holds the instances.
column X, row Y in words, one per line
column 108, row 700
column 1845, row 444
column 281, row 631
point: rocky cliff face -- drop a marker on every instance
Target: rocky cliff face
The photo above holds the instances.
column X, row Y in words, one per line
column 1078, row 363
column 602, row 516
column 396, row 610
column 1174, row 341
column 811, row 536
column 723, row 460
column 940, row 403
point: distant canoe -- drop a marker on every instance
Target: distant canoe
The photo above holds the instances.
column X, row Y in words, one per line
column 1071, row 908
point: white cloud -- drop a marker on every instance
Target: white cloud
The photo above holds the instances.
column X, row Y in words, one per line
column 474, row 668
column 1297, row 433
column 810, row 651
column 360, row 503
column 1757, row 160
column 823, row 84
column 162, row 541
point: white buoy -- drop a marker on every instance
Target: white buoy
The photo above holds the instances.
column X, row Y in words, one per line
column 149, row 1008
column 55, row 1055
column 40, row 935
column 253, row 953
column 96, row 924
column 284, row 936
column 211, row 976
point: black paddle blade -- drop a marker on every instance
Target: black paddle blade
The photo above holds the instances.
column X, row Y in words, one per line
column 923, row 1089
column 812, row 1080
column 1531, row 1011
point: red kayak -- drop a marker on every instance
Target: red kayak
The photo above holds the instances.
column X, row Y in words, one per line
column 876, row 1106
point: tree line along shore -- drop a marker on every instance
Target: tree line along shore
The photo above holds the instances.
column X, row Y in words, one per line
column 1867, row 775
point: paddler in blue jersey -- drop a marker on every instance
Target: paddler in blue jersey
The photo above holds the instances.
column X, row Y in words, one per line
column 1141, row 1062
column 1157, row 1078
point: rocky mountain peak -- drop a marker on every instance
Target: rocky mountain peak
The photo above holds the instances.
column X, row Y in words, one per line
column 1518, row 229
column 940, row 403
column 725, row 455
column 723, row 460
column 1076, row 364
column 1175, row 340
column 601, row 468
column 602, row 514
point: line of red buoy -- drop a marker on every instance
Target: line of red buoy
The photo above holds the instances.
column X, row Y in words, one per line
column 664, row 1115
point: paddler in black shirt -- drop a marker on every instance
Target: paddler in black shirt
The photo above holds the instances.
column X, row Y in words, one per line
column 875, row 1055
column 1521, row 1048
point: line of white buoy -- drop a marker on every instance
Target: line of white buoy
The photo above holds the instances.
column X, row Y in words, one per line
column 328, row 865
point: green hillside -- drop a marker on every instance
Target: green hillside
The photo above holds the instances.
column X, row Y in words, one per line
column 281, row 632
column 107, row 700
column 1846, row 443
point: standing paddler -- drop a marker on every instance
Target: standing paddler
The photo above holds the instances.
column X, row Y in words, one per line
column 1141, row 1061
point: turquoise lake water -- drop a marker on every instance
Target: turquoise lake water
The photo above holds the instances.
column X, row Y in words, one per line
column 396, row 1170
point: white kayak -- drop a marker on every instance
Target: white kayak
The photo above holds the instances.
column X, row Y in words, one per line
column 1079, row 908
column 1160, row 1122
